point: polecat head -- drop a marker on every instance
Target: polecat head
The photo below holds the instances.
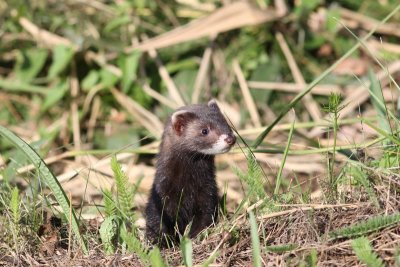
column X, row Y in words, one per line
column 202, row 128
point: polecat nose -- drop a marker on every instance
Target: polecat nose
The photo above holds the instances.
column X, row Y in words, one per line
column 230, row 139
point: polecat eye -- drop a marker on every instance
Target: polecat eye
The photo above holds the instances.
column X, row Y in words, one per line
column 204, row 131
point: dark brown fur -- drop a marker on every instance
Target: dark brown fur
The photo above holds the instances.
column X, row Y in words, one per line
column 184, row 189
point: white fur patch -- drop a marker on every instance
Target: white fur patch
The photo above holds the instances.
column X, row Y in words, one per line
column 218, row 147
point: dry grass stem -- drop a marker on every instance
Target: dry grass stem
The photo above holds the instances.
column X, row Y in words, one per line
column 172, row 89
column 44, row 37
column 355, row 20
column 231, row 16
column 248, row 99
column 201, row 75
column 323, row 89
column 380, row 45
column 159, row 97
column 312, row 207
column 94, row 114
column 74, row 84
column 309, row 102
column 101, row 61
column 143, row 116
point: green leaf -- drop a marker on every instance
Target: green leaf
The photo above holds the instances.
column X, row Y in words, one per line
column 270, row 71
column 18, row 86
column 109, row 203
column 184, row 64
column 18, row 159
column 119, row 137
column 54, row 95
column 62, row 56
column 125, row 197
column 389, row 136
column 378, row 102
column 187, row 251
column 135, row 245
column 117, row 22
column 129, row 64
column 155, row 258
column 90, row 80
column 107, row 78
column 360, row 176
column 364, row 252
column 312, row 258
column 50, row 180
column 282, row 248
column 332, row 24
column 108, row 231
column 253, row 178
column 185, row 80
column 14, row 205
column 210, row 259
column 29, row 63
column 371, row 225
column 397, row 256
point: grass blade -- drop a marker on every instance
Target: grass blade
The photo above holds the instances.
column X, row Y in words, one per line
column 378, row 102
column 50, row 180
column 384, row 134
column 210, row 259
column 285, row 153
column 187, row 251
column 155, row 258
column 255, row 241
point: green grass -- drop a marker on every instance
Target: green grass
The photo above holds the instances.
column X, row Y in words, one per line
column 50, row 180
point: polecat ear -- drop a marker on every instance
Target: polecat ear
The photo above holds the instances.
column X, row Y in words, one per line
column 213, row 104
column 180, row 119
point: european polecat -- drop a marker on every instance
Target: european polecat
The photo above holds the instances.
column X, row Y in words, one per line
column 184, row 190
